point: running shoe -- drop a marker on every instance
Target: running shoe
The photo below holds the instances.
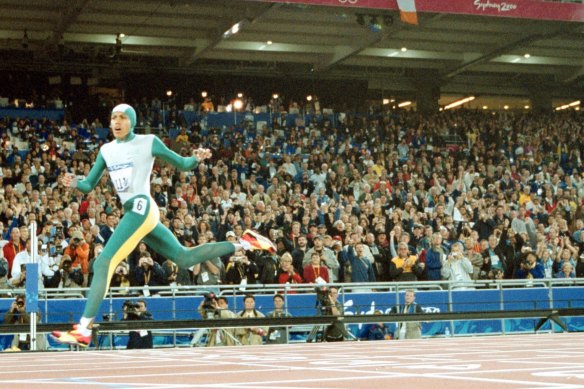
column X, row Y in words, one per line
column 73, row 337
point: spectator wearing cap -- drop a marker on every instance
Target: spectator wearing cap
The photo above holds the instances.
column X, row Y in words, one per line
column 78, row 251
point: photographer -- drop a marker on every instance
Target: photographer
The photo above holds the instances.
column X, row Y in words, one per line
column 137, row 311
column 529, row 267
column 120, row 277
column 335, row 332
column 67, row 276
column 17, row 315
column 148, row 274
column 49, row 264
column 213, row 307
column 78, row 251
column 241, row 270
column 456, row 267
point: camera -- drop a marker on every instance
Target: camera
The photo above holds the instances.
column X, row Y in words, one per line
column 210, row 302
column 132, row 310
column 323, row 301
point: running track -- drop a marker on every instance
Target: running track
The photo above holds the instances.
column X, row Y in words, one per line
column 518, row 361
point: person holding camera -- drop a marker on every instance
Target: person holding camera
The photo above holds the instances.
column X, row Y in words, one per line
column 240, row 270
column 213, row 307
column 121, row 277
column 457, row 267
column 139, row 339
column 335, row 332
column 67, row 276
column 148, row 274
column 50, row 261
column 17, row 315
column 529, row 267
column 78, row 251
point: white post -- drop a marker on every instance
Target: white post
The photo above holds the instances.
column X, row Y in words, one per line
column 33, row 259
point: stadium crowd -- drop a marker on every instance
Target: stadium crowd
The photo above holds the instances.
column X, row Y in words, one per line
column 380, row 197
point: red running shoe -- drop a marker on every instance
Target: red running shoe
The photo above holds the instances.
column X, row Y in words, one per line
column 73, row 337
column 257, row 242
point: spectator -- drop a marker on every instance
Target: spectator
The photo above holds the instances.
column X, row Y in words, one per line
column 567, row 271
column 405, row 267
column 240, row 270
column 14, row 246
column 148, row 274
column 361, row 268
column 328, row 257
column 78, row 251
column 435, row 257
column 457, row 267
column 286, row 273
column 316, row 271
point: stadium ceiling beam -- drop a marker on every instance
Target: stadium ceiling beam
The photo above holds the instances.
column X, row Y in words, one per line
column 371, row 39
column 527, row 40
column 224, row 33
column 67, row 18
column 572, row 77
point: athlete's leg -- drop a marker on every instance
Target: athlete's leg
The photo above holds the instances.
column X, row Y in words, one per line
column 166, row 244
column 141, row 216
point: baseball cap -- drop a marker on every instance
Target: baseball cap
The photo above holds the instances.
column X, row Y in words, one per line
column 77, row 235
column 230, row 233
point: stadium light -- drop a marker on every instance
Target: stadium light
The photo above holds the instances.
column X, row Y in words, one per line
column 404, row 104
column 459, row 102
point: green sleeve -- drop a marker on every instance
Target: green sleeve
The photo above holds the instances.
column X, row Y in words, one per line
column 93, row 177
column 160, row 150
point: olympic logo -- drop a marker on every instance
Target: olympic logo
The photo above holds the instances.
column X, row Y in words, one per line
column 348, row 1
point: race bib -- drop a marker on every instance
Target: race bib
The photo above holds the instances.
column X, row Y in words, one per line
column 121, row 176
column 205, row 277
column 139, row 206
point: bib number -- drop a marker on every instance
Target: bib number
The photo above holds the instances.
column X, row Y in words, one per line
column 139, row 206
column 122, row 177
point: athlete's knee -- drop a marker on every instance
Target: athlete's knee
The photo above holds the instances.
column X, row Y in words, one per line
column 101, row 264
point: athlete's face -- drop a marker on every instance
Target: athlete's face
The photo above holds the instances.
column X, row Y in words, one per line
column 120, row 125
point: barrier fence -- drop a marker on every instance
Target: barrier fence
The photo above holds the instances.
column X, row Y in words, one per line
column 497, row 307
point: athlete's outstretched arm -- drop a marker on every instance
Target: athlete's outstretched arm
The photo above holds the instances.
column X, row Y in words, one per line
column 92, row 178
column 160, row 150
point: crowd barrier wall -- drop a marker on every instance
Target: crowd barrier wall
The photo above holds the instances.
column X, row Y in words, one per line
column 51, row 114
column 182, row 305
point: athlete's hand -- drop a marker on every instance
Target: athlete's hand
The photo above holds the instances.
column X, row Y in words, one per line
column 202, row 154
column 69, row 180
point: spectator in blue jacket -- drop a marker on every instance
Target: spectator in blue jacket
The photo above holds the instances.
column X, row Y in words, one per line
column 530, row 267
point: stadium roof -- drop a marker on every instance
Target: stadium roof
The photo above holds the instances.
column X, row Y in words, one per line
column 464, row 53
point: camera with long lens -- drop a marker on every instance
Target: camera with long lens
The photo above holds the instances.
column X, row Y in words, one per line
column 323, row 303
column 132, row 310
column 210, row 305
